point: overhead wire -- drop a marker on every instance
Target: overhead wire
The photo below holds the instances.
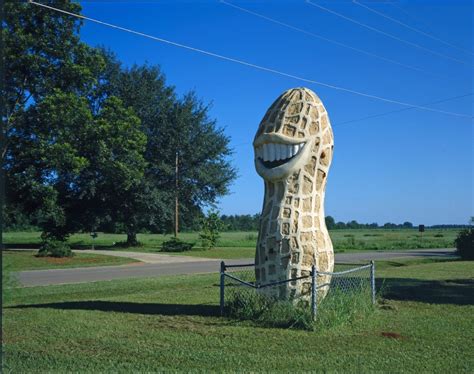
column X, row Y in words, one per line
column 314, row 35
column 259, row 67
column 337, row 124
column 401, row 110
column 431, row 36
column 415, row 45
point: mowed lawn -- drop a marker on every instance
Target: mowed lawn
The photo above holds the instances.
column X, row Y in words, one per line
column 27, row 260
column 423, row 324
column 242, row 244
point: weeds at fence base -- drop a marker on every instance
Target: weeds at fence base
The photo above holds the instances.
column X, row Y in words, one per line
column 337, row 309
column 268, row 312
column 340, row 308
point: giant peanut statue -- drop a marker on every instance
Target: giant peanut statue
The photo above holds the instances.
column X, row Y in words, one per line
column 293, row 152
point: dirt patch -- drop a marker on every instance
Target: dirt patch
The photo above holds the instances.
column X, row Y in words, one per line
column 391, row 335
column 70, row 260
column 59, row 260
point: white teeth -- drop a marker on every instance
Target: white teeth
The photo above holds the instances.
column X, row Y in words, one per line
column 296, row 147
column 281, row 152
column 271, row 152
column 277, row 151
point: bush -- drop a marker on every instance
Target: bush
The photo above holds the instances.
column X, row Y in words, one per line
column 465, row 244
column 54, row 248
column 125, row 244
column 176, row 245
column 210, row 227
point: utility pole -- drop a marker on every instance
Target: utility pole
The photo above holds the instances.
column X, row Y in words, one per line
column 176, row 201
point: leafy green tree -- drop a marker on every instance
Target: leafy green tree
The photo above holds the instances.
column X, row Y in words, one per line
column 90, row 142
column 42, row 53
column 330, row 223
column 71, row 165
column 173, row 127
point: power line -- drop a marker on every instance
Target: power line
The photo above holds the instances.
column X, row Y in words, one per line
column 337, row 124
column 410, row 27
column 386, row 33
column 324, row 38
column 241, row 62
column 400, row 110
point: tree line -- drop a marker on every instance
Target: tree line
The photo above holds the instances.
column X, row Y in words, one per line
column 91, row 144
column 247, row 222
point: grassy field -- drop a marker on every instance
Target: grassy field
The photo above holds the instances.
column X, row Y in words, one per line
column 242, row 244
column 423, row 324
column 26, row 260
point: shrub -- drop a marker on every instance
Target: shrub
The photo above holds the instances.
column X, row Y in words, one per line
column 54, row 248
column 176, row 245
column 125, row 244
column 210, row 226
column 465, row 244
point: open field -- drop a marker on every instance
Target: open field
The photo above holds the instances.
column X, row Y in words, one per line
column 423, row 324
column 242, row 244
column 26, row 260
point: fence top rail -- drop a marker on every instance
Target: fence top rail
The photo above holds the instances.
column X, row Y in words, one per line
column 335, row 264
column 237, row 265
column 351, row 264
column 344, row 271
column 266, row 284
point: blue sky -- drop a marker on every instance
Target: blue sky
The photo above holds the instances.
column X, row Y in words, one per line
column 413, row 165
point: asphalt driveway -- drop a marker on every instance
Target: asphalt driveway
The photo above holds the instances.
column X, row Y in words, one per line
column 154, row 265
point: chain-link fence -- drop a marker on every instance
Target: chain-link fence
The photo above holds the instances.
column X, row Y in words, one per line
column 239, row 288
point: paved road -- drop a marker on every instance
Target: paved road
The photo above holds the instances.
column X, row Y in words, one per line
column 156, row 265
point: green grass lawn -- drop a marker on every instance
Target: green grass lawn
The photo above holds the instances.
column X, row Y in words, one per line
column 242, row 244
column 423, row 324
column 26, row 260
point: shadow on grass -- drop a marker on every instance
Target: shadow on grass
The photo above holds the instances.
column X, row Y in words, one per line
column 455, row 291
column 129, row 307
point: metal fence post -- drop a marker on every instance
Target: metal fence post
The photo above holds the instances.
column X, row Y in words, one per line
column 222, row 286
column 314, row 293
column 372, row 280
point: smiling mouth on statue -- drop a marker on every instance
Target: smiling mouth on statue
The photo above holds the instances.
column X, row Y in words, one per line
column 275, row 154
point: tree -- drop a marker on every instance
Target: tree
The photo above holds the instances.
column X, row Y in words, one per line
column 90, row 142
column 330, row 223
column 174, row 127
column 70, row 164
column 407, row 225
column 42, row 53
column 353, row 225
